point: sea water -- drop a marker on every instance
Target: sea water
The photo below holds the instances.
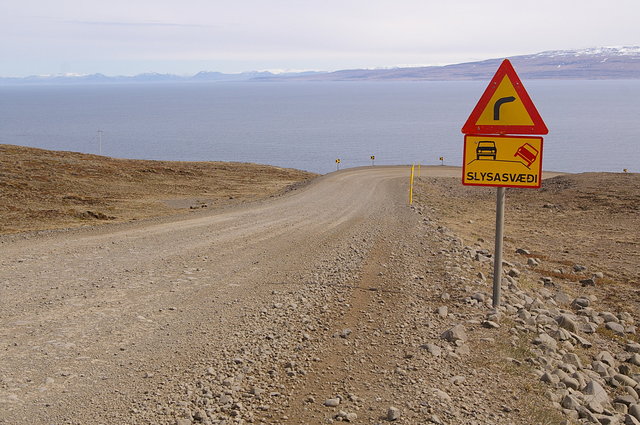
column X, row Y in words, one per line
column 593, row 125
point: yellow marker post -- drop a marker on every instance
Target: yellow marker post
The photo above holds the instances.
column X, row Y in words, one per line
column 411, row 185
column 419, row 165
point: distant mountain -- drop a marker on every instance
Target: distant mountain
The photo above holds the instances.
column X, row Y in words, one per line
column 587, row 64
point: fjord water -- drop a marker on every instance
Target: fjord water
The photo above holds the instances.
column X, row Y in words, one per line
column 594, row 125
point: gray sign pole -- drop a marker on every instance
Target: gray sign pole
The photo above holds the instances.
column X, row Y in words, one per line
column 497, row 255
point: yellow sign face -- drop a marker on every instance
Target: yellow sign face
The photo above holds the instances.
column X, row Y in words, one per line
column 505, row 107
column 505, row 161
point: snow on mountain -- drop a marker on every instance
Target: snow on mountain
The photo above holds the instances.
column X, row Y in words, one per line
column 594, row 51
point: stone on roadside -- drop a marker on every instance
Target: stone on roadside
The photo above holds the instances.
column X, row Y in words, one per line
column 565, row 321
column 332, row 402
column 581, row 302
column 615, row 327
column 588, row 328
column 621, row 408
column 625, row 380
column 393, row 413
column 634, row 410
column 479, row 296
column 607, row 316
column 627, row 399
column 594, row 392
column 435, row 419
column 490, row 324
column 595, row 407
column 550, row 378
column 463, row 350
column 546, row 341
column 443, row 311
column 562, row 298
column 345, row 333
column 606, row 357
column 225, row 399
column 630, row 420
column 441, row 395
column 456, row 333
column 433, row 349
column 572, row 359
column 346, row 416
column 570, row 402
column 580, row 340
column 199, row 415
column 571, row 382
column 458, row 380
column 634, row 359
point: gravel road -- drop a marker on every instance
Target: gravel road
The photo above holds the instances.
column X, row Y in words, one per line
column 96, row 320
column 336, row 302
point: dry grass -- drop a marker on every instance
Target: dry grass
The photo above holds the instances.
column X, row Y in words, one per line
column 48, row 189
column 527, row 391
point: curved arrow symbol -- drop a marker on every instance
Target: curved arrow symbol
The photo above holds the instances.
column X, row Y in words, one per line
column 498, row 104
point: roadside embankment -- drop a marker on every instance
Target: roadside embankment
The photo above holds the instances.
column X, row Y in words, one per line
column 44, row 189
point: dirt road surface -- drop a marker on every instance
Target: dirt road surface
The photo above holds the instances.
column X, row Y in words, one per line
column 329, row 303
column 87, row 314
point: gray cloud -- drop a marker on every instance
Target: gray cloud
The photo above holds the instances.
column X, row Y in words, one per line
column 137, row 24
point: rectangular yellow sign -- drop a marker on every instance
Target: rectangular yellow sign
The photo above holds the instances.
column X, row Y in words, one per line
column 505, row 161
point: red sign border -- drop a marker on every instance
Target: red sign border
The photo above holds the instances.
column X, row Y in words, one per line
column 505, row 69
column 495, row 136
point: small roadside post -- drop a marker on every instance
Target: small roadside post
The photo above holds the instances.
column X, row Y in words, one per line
column 100, row 141
column 493, row 156
column 373, row 160
column 411, row 184
column 338, row 164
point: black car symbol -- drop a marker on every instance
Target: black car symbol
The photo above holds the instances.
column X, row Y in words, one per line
column 486, row 148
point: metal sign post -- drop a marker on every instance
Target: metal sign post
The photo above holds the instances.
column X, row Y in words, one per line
column 497, row 261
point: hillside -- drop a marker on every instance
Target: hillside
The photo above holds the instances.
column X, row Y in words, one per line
column 602, row 63
column 44, row 189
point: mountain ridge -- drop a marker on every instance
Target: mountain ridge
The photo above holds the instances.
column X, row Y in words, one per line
column 585, row 64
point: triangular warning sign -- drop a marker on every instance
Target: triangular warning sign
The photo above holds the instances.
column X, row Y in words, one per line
column 505, row 107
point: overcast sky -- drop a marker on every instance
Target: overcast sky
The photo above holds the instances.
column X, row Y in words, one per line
column 127, row 37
